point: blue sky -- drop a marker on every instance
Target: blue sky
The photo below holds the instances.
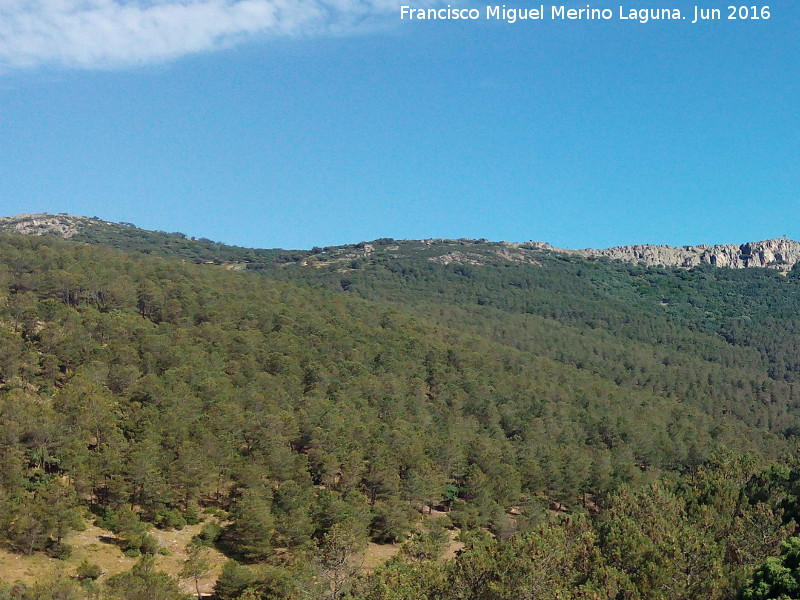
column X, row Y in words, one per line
column 293, row 123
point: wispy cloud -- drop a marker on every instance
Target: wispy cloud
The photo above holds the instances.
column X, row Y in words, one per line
column 109, row 33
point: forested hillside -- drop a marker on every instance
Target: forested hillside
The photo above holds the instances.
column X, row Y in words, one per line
column 592, row 429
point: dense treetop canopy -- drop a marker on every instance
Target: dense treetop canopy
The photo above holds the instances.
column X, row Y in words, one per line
column 606, row 414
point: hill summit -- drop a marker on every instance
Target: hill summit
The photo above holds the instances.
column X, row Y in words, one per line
column 63, row 225
column 777, row 253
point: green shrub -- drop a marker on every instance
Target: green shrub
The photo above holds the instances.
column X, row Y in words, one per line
column 209, row 534
column 58, row 550
column 215, row 511
column 169, row 518
column 192, row 515
column 150, row 545
column 87, row 570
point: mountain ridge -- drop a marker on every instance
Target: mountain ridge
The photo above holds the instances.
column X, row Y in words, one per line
column 775, row 253
column 513, row 391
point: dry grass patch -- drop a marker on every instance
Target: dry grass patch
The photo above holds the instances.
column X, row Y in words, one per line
column 97, row 546
column 377, row 554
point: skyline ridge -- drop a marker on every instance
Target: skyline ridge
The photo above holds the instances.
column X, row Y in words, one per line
column 546, row 245
column 779, row 253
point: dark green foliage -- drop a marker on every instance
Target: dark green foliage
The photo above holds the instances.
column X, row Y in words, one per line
column 250, row 534
column 391, row 520
column 144, row 582
column 192, row 515
column 264, row 582
column 233, row 581
column 499, row 392
column 54, row 587
column 39, row 519
column 131, row 531
column 176, row 245
column 60, row 550
column 335, row 561
column 427, row 543
column 87, row 570
column 696, row 538
column 777, row 578
column 170, row 518
column 209, row 534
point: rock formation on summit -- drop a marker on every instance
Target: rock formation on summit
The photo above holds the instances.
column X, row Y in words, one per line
column 779, row 253
column 64, row 225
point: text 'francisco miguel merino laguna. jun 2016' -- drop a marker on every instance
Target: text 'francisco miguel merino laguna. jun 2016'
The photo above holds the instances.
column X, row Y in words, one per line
column 560, row 12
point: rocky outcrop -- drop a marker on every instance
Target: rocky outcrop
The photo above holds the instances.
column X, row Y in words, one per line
column 65, row 226
column 779, row 253
column 464, row 258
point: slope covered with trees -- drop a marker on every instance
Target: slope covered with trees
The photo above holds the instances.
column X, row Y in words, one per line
column 601, row 414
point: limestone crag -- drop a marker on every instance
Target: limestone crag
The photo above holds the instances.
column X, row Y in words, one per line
column 779, row 253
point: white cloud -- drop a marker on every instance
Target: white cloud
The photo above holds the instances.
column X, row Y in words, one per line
column 108, row 33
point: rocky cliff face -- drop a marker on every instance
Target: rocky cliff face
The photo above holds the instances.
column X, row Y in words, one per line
column 779, row 253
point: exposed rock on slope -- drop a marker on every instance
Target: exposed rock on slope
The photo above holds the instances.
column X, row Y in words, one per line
column 779, row 253
column 65, row 226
